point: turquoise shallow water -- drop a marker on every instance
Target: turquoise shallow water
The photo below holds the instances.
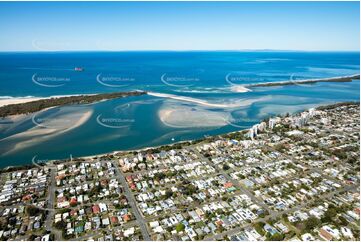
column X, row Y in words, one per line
column 208, row 78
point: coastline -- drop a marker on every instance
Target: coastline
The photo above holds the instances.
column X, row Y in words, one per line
column 25, row 106
column 165, row 147
column 8, row 100
column 308, row 81
column 19, row 100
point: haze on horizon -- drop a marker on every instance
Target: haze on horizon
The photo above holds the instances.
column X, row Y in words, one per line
column 125, row 26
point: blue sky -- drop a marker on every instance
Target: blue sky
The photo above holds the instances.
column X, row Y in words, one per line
column 66, row 26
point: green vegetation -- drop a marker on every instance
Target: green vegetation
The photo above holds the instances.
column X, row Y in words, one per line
column 275, row 237
column 188, row 189
column 259, row 228
column 60, row 225
column 311, row 223
column 179, row 227
column 332, row 106
column 17, row 168
column 34, row 106
column 341, row 79
column 33, row 211
column 225, row 167
column 168, row 194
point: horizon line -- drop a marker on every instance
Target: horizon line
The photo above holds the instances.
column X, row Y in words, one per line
column 190, row 50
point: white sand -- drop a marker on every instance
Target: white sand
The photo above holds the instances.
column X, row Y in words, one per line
column 51, row 127
column 178, row 116
column 188, row 99
column 4, row 102
column 190, row 119
column 17, row 100
column 235, row 104
column 239, row 88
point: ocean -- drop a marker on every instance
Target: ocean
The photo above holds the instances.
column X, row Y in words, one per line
column 191, row 95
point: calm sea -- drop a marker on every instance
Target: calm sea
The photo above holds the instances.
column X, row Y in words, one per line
column 196, row 95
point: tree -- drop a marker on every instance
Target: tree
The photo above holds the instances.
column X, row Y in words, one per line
column 241, row 176
column 276, row 237
column 168, row 194
column 32, row 210
column 311, row 223
column 60, row 225
column 179, row 227
column 225, row 167
column 159, row 176
column 329, row 215
column 343, row 221
column 259, row 228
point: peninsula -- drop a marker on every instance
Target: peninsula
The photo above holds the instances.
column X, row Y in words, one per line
column 37, row 105
column 309, row 81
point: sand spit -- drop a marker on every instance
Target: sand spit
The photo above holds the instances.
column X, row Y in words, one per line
column 16, row 100
column 309, row 81
column 235, row 104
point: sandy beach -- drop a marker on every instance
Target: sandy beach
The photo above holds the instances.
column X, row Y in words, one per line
column 16, row 100
column 8, row 101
